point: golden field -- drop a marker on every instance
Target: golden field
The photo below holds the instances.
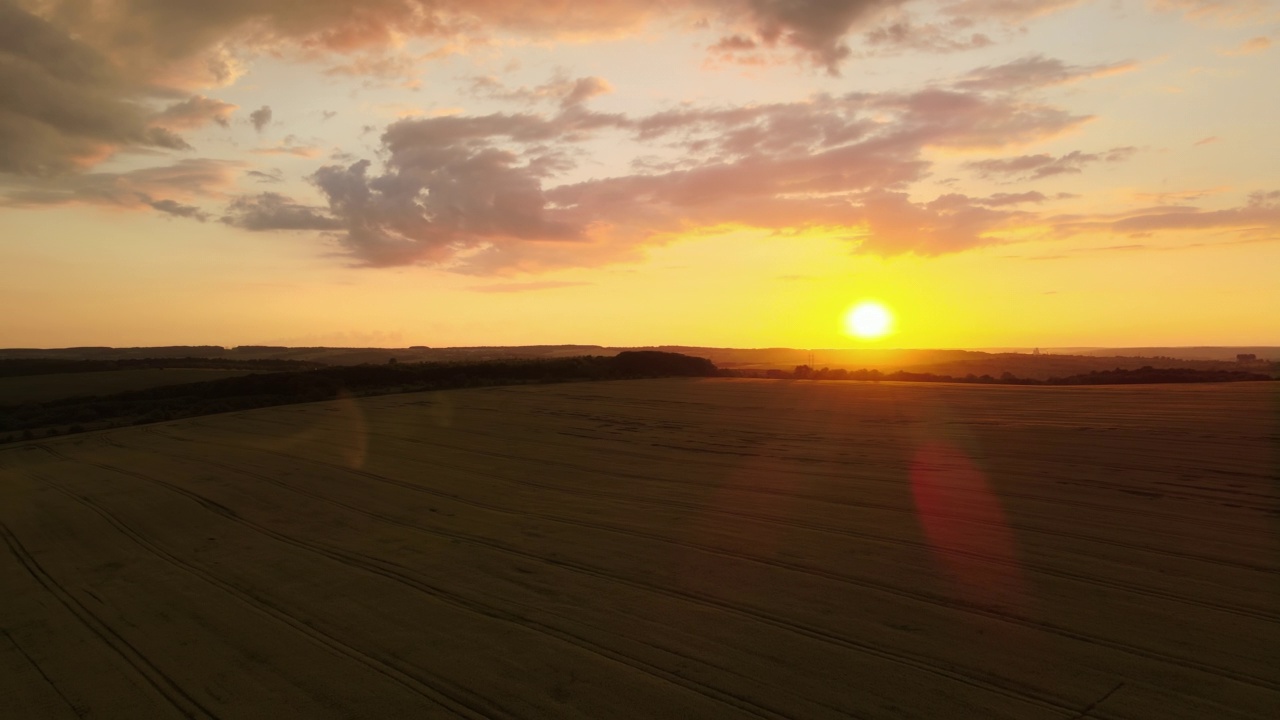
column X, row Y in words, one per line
column 657, row 548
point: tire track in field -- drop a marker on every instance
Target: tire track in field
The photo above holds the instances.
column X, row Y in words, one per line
column 177, row 697
column 1182, row 519
column 775, row 620
column 375, row 566
column 625, row 408
column 419, row 687
column 1175, row 517
column 474, row 540
column 801, row 496
column 32, row 661
column 378, row 566
column 920, row 597
column 781, row 469
column 776, row 520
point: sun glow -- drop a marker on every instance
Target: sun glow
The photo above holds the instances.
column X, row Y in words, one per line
column 868, row 320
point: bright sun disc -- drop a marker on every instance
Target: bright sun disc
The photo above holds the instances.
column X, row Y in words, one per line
column 868, row 320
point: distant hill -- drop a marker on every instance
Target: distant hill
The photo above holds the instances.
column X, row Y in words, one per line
column 1051, row 362
column 1225, row 352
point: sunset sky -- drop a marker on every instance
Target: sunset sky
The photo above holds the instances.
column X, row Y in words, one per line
column 639, row 172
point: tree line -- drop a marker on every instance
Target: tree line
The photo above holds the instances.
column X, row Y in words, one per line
column 1139, row 376
column 29, row 420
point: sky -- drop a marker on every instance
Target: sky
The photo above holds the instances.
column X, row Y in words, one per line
column 996, row 173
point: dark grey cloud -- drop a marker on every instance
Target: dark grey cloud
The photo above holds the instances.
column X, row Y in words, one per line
column 816, row 27
column 273, row 211
column 63, row 105
column 260, row 118
column 273, row 175
column 177, row 209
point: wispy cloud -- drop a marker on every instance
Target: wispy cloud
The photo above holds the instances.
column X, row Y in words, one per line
column 517, row 287
column 1034, row 72
column 1252, row 46
column 290, row 145
column 1035, row 167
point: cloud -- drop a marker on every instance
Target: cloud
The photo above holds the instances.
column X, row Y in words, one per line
column 1002, row 199
column 378, row 65
column 904, row 34
column 64, row 106
column 159, row 188
column 438, row 199
column 1170, row 197
column 1257, row 219
column 1261, row 210
column 1035, row 167
column 1221, row 12
column 76, row 78
column 816, row 28
column 260, row 118
column 561, row 90
column 734, row 43
column 177, row 209
column 484, row 194
column 291, row 145
column 194, row 112
column 1034, row 72
column 273, row 211
column 1011, row 11
column 1206, row 141
column 954, row 26
column 266, row 176
column 946, row 224
column 200, row 42
column 1252, row 46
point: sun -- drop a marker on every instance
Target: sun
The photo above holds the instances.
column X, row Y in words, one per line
column 868, row 320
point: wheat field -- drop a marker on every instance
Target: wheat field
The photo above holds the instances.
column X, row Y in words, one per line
column 657, row 548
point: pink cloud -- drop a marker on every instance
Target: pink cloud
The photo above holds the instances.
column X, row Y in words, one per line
column 1252, row 46
column 1222, row 12
column 478, row 194
column 168, row 189
column 1259, row 216
column 1035, row 167
column 1036, row 71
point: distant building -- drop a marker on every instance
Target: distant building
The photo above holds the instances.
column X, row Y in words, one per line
column 1246, row 358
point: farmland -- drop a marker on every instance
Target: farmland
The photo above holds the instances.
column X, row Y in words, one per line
column 657, row 548
column 43, row 388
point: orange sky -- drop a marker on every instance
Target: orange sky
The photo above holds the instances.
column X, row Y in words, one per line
column 709, row 172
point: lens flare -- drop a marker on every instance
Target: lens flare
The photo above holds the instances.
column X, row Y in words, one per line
column 868, row 320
